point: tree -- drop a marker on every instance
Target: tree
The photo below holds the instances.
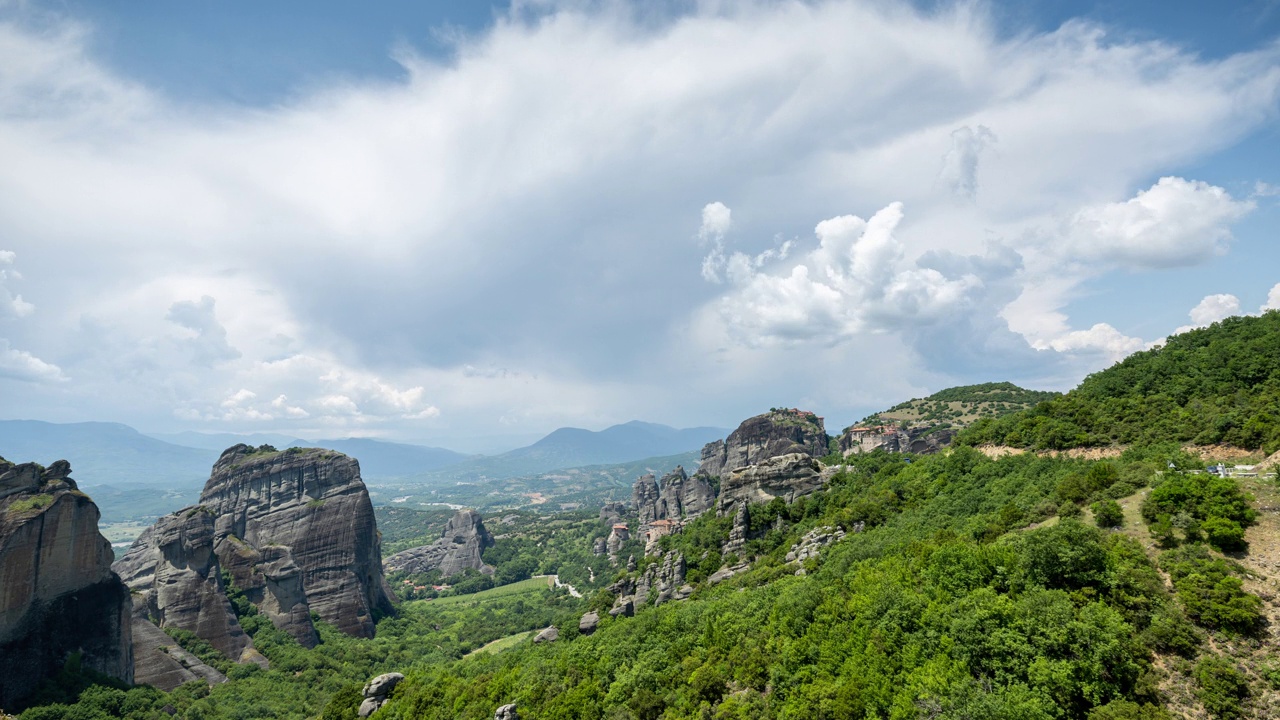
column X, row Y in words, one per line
column 1108, row 513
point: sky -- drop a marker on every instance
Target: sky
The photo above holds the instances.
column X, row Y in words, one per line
column 468, row 224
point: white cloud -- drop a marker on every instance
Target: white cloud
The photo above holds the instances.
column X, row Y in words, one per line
column 1214, row 308
column 1175, row 222
column 209, row 344
column 519, row 207
column 1101, row 339
column 11, row 305
column 21, row 365
column 1273, row 300
column 858, row 279
column 1210, row 310
column 959, row 172
column 716, row 219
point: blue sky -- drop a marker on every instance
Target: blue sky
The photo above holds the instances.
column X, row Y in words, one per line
column 439, row 221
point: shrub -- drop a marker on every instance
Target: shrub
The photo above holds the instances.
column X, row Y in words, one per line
column 1224, row 534
column 1222, row 687
column 1210, row 592
column 1108, row 513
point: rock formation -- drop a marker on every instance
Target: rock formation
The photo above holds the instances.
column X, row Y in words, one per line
column 176, row 581
column 684, row 496
column 618, row 535
column 57, row 592
column 459, row 548
column 295, row 529
column 660, row 582
column 159, row 661
column 645, row 498
column 612, row 512
column 599, row 546
column 507, row 712
column 376, row 691
column 588, row 622
column 738, row 533
column 550, row 634
column 786, row 476
column 921, row 440
column 757, row 439
column 812, row 543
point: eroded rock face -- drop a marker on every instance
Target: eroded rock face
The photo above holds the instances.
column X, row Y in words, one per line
column 757, row 439
column 159, row 662
column 738, row 533
column 57, row 592
column 787, row 476
column 645, row 498
column 923, row 440
column 459, row 548
column 684, row 496
column 176, row 580
column 660, row 582
column 298, row 526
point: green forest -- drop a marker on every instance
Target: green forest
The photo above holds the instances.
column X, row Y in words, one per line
column 1219, row 384
column 1024, row 587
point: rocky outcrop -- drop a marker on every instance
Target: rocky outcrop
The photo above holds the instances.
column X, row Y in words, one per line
column 57, row 592
column 661, row 581
column 176, row 581
column 786, row 476
column 612, row 512
column 684, row 496
column 376, row 692
column 618, row 535
column 738, row 533
column 599, row 546
column 923, row 440
column 645, row 498
column 811, row 545
column 777, row 432
column 159, row 661
column 295, row 529
column 588, row 622
column 459, row 548
column 507, row 712
column 550, row 634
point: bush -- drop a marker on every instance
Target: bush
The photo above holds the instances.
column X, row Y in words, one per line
column 1222, row 687
column 1224, row 534
column 1210, row 592
column 1108, row 514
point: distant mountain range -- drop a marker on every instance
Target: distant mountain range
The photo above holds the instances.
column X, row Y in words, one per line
column 106, row 453
column 575, row 448
column 119, row 456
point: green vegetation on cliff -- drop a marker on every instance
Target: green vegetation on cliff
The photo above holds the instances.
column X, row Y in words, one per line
column 1219, row 384
column 962, row 405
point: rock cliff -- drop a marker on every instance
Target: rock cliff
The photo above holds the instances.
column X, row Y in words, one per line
column 922, row 440
column 645, row 499
column 757, row 439
column 295, row 529
column 459, row 548
column 57, row 592
column 176, row 581
column 786, row 476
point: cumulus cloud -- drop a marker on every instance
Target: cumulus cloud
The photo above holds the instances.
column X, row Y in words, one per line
column 716, row 219
column 1175, row 222
column 11, row 304
column 858, row 279
column 1210, row 310
column 1101, row 339
column 21, row 365
column 209, row 344
column 1273, row 299
column 327, row 224
column 959, row 172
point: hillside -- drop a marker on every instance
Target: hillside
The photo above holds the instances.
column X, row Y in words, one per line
column 1219, row 384
column 950, row 585
column 961, row 406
